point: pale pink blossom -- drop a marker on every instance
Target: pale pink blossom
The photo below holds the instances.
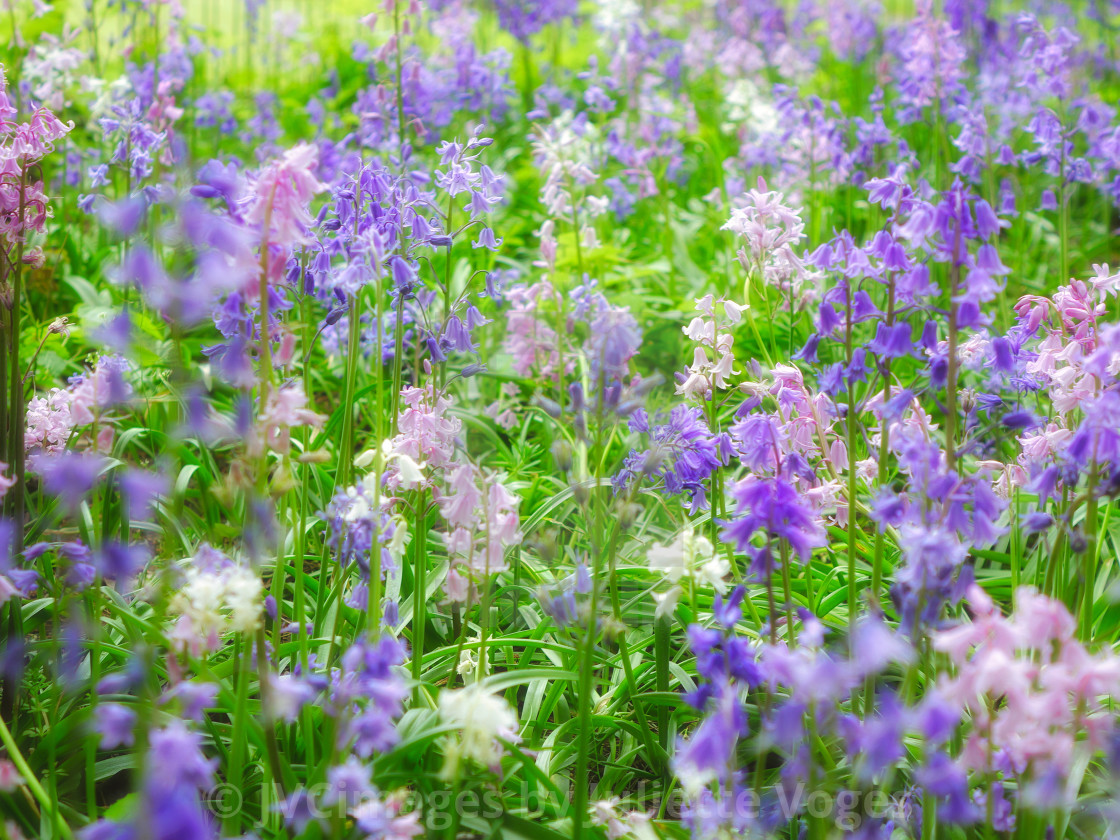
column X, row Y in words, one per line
column 458, row 504
column 706, row 374
column 427, row 434
column 1105, row 281
column 49, row 422
column 1043, row 444
column 102, row 388
column 530, row 339
column 286, row 408
column 1034, row 693
column 459, row 542
column 7, row 590
column 771, row 232
column 281, row 194
column 456, row 586
column 10, row 779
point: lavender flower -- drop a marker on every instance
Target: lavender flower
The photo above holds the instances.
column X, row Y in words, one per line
column 682, row 455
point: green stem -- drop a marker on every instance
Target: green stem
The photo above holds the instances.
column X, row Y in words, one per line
column 586, row 676
column 1016, row 547
column 884, row 456
column 45, row 802
column 951, row 382
column 400, row 75
column 662, row 629
column 583, row 749
column 280, row 771
column 420, row 585
column 1089, row 555
column 94, row 679
column 655, row 756
column 398, row 362
column 483, row 629
column 13, row 434
column 851, row 434
column 346, row 459
column 238, row 739
column 787, row 591
column 16, row 497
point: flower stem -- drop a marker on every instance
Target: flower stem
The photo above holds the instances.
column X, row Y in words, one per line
column 951, row 382
column 884, row 455
column 346, row 459
column 398, row 361
column 45, row 802
column 655, row 756
column 420, row 586
column 586, row 678
column 238, row 739
column 1089, row 555
column 851, row 433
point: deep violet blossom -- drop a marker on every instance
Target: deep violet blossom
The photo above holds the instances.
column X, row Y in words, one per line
column 682, row 455
column 774, row 508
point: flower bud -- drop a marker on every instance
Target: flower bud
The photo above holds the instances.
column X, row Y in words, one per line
column 580, row 492
column 562, row 455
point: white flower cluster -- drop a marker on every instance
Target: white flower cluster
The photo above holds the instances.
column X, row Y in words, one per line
column 712, row 331
column 482, row 719
column 690, row 555
column 750, row 109
column 216, row 596
column 49, row 68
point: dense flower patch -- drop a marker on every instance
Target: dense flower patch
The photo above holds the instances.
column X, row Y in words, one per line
column 559, row 419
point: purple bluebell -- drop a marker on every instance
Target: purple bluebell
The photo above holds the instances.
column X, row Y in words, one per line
column 115, row 723
column 682, row 455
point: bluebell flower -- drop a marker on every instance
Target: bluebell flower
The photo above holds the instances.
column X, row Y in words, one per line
column 682, row 455
column 774, row 508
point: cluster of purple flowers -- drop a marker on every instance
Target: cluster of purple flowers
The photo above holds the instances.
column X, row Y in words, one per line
column 683, row 453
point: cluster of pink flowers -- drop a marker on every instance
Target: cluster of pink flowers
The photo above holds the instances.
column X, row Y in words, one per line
column 24, row 207
column 565, row 151
column 503, row 410
column 802, row 425
column 49, row 422
column 86, row 402
column 281, row 195
column 485, row 522
column 772, row 232
column 530, row 341
column 480, row 512
column 285, row 408
column 427, row 437
column 1033, row 691
column 1068, row 325
column 1069, row 354
column 913, row 421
